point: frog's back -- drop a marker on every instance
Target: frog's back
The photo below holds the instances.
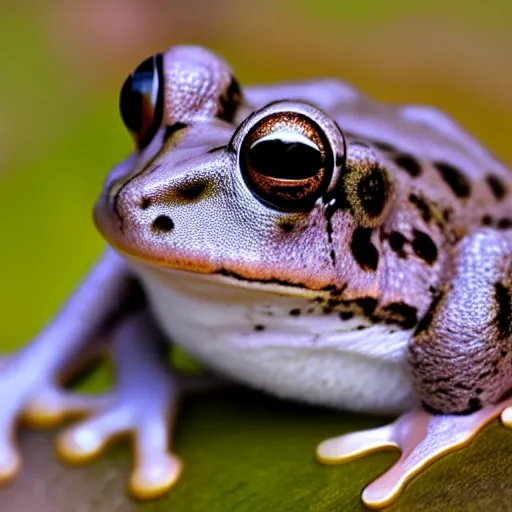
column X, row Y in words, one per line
column 448, row 171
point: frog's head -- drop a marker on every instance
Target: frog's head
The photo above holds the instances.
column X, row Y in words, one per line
column 272, row 194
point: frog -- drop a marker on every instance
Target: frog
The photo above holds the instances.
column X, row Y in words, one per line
column 300, row 238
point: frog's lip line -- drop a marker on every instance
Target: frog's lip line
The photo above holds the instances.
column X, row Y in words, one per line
column 223, row 276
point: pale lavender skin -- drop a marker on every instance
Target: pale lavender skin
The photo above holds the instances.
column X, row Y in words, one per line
column 227, row 281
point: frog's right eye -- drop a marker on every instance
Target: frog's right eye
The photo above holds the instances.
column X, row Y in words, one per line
column 141, row 100
column 290, row 154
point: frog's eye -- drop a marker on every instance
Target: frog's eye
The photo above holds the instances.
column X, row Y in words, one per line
column 286, row 161
column 141, row 100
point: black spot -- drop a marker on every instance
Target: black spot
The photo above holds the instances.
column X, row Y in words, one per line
column 504, row 223
column 346, row 315
column 496, row 185
column 287, row 226
column 503, row 319
column 163, row 223
column 454, row 178
column 397, row 243
column 402, row 314
column 229, row 101
column 503, row 353
column 361, row 327
column 145, row 203
column 422, row 206
column 424, row 247
column 191, row 190
column 409, row 164
column 474, row 404
column 372, row 192
column 486, row 220
column 171, row 130
column 479, row 391
column 259, row 327
column 363, row 250
column 425, row 322
column 367, row 304
column 295, row 312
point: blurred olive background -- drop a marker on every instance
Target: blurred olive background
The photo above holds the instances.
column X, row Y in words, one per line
column 62, row 65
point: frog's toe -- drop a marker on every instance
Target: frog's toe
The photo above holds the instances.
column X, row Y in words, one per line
column 422, row 439
column 49, row 407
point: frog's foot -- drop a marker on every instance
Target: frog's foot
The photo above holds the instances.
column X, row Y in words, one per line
column 422, row 439
column 144, row 406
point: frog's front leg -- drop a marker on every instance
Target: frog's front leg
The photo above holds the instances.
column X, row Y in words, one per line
column 28, row 379
column 460, row 360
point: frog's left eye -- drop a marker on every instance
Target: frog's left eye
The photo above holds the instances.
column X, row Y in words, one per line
column 286, row 161
column 141, row 100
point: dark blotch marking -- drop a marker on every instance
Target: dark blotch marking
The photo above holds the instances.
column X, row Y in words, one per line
column 346, row 315
column 504, row 223
column 497, row 186
column 363, row 250
column 295, row 312
column 503, row 319
column 171, row 130
column 474, row 404
column 259, row 327
column 163, row 223
column 422, row 206
column 486, row 220
column 402, row 314
column 454, row 178
column 367, row 304
column 372, row 192
column 287, row 226
column 424, row 247
column 229, row 101
column 425, row 322
column 397, row 243
column 191, row 191
column 145, row 203
column 409, row 164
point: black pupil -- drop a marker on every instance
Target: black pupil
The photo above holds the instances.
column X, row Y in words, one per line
column 285, row 160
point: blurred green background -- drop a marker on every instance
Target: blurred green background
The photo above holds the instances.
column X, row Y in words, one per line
column 62, row 67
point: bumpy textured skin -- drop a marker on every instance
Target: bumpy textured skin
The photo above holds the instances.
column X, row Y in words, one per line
column 394, row 286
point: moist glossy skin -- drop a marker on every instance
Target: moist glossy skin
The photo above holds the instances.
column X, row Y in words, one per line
column 300, row 238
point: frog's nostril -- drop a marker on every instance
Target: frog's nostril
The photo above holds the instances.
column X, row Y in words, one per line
column 163, row 224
